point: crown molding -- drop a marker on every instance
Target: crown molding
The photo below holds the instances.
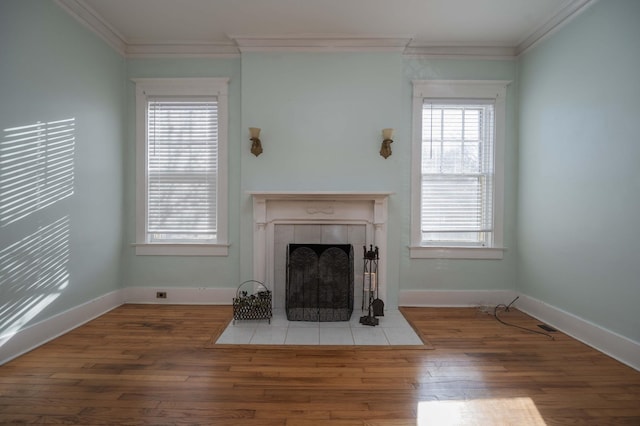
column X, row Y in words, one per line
column 91, row 19
column 465, row 51
column 181, row 50
column 239, row 44
column 553, row 24
column 450, row 51
column 321, row 43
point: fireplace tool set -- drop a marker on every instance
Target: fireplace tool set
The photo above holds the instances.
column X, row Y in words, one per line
column 375, row 306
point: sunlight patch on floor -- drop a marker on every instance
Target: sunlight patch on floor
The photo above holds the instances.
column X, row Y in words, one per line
column 492, row 411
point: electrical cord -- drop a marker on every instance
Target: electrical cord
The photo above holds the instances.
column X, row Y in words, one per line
column 506, row 309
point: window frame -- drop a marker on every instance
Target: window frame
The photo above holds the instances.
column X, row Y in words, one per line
column 181, row 87
column 452, row 90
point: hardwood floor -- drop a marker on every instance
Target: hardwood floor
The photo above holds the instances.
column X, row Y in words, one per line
column 150, row 364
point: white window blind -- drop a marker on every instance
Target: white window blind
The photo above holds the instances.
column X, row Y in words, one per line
column 182, row 169
column 457, row 179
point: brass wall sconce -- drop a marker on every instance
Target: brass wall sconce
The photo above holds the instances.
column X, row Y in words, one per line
column 385, row 149
column 256, row 145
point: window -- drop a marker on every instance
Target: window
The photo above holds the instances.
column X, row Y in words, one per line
column 457, row 173
column 181, row 166
column 457, row 170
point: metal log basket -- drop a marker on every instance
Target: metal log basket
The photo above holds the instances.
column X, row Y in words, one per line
column 252, row 302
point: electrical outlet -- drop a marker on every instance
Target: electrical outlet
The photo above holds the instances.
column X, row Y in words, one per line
column 161, row 295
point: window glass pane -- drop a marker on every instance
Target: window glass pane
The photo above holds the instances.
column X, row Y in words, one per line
column 471, row 159
column 451, row 157
column 472, row 124
column 452, row 124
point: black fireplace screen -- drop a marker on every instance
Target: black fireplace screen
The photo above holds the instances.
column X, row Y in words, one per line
column 319, row 282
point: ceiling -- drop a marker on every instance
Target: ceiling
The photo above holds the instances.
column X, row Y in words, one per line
column 219, row 27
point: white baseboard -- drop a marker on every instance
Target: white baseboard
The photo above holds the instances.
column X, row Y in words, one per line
column 616, row 346
column 612, row 344
column 40, row 333
column 454, row 298
column 180, row 295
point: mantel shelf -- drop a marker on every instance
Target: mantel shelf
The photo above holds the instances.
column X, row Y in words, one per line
column 320, row 195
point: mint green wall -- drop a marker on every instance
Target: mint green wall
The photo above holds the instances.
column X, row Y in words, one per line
column 183, row 271
column 322, row 117
column 461, row 274
column 579, row 193
column 60, row 242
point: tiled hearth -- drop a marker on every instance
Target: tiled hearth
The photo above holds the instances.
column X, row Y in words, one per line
column 392, row 330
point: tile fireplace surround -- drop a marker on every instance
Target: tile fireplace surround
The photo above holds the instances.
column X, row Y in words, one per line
column 273, row 208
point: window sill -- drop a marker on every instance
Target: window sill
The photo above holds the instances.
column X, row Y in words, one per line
column 482, row 253
column 161, row 249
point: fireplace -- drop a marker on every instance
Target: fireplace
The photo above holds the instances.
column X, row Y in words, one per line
column 295, row 209
column 319, row 282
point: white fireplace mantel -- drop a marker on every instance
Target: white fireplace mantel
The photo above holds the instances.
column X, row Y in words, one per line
column 271, row 208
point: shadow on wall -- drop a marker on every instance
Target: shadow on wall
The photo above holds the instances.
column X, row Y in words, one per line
column 36, row 171
column 36, row 168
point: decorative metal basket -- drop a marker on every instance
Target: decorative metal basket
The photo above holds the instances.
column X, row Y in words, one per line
column 252, row 302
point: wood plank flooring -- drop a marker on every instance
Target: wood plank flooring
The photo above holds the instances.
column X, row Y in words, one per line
column 150, row 365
